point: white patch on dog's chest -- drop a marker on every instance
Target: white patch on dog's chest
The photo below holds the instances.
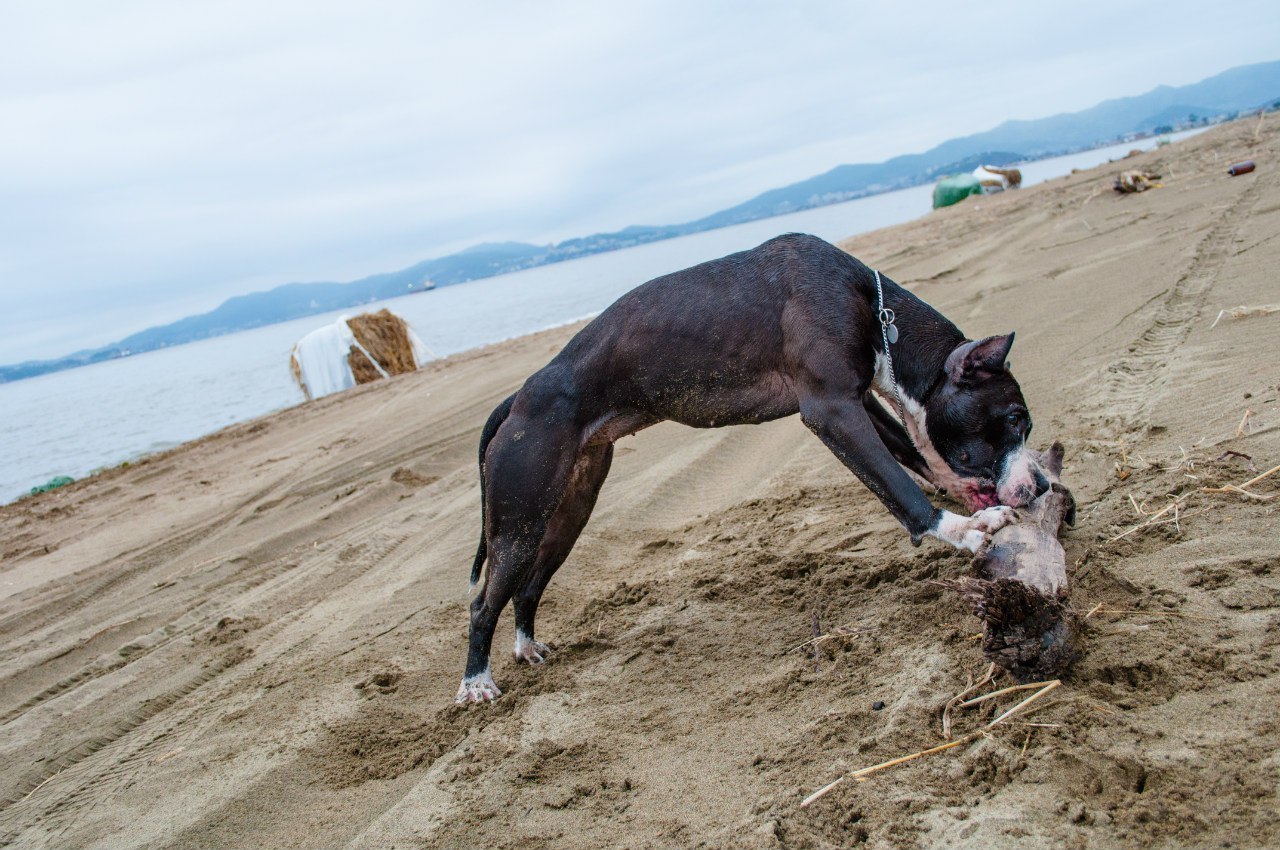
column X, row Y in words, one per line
column 913, row 419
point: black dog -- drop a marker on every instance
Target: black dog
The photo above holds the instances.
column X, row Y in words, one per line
column 791, row 326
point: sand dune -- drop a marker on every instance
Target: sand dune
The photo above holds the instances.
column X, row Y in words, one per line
column 254, row 640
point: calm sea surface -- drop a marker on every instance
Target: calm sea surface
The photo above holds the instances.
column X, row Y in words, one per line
column 73, row 422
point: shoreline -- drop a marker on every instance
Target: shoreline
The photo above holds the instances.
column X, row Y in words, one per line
column 246, row 425
column 189, row 419
column 266, row 626
column 142, row 455
column 1137, row 139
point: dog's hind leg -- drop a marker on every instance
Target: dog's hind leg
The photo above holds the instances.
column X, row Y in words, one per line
column 528, row 466
column 566, row 524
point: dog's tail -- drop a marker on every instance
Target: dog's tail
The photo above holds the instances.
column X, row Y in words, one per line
column 499, row 415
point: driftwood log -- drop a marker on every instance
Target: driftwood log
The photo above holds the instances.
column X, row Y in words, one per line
column 1019, row 586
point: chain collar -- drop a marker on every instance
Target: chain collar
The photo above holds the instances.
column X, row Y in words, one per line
column 889, row 334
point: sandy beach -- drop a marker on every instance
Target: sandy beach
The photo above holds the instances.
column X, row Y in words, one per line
column 254, row 640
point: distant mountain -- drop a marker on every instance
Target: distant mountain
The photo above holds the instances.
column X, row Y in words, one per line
column 1220, row 97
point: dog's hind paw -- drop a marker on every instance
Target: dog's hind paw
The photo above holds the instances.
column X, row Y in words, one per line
column 479, row 688
column 529, row 650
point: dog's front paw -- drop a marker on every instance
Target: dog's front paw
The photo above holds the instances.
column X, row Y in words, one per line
column 973, row 540
column 991, row 520
column 972, row 532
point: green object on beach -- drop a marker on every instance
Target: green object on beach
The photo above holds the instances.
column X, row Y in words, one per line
column 53, row 484
column 952, row 190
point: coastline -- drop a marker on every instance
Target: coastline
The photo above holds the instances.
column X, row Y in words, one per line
column 115, row 351
column 265, row 626
column 145, row 403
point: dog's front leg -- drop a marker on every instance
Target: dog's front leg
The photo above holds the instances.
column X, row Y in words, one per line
column 844, row 425
column 895, row 438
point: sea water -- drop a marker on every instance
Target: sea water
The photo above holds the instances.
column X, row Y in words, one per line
column 79, row 420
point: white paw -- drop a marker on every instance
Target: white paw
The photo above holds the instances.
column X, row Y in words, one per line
column 477, row 689
column 991, row 520
column 529, row 650
column 972, row 532
column 973, row 540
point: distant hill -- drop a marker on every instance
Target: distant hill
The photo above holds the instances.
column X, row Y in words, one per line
column 1217, row 98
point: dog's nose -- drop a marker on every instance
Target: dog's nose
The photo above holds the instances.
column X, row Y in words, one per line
column 1042, row 483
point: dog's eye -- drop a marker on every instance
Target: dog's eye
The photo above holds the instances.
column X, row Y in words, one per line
column 1014, row 419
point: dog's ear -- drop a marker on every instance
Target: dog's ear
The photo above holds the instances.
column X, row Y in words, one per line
column 972, row 361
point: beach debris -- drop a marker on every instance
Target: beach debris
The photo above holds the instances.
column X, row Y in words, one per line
column 1026, row 706
column 1241, row 168
column 839, row 632
column 954, row 189
column 355, row 350
column 1243, row 427
column 984, row 180
column 1243, row 312
column 1102, row 609
column 1233, row 453
column 970, row 689
column 52, row 484
column 995, row 179
column 1154, row 518
column 1019, row 586
column 1136, row 181
column 1242, row 489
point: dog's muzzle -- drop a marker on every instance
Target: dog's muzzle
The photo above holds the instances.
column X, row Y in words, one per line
column 1022, row 480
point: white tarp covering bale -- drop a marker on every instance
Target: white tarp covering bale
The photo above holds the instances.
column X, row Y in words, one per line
column 355, row 350
column 995, row 179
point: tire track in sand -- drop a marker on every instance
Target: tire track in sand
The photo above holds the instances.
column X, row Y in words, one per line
column 1131, row 385
column 60, row 762
column 122, row 746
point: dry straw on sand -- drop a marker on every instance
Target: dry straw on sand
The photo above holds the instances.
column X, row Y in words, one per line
column 1242, row 312
column 1243, row 489
column 1102, row 608
column 1021, row 708
column 839, row 632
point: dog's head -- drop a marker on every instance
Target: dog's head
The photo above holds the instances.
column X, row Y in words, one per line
column 978, row 422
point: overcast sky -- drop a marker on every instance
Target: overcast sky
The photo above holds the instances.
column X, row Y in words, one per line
column 158, row 157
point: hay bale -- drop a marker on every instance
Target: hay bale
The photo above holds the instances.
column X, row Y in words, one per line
column 295, row 369
column 384, row 336
column 355, row 350
column 993, row 178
